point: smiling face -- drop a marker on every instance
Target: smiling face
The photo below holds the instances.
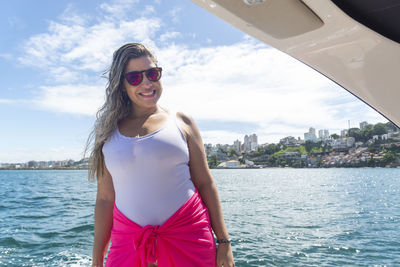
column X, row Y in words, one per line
column 145, row 95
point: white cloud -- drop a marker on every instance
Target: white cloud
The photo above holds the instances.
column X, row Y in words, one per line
column 168, row 36
column 72, row 98
column 118, row 9
column 6, row 101
column 16, row 101
column 85, row 48
column 148, row 10
column 72, row 16
column 174, row 14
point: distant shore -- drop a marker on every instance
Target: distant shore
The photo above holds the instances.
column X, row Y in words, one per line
column 41, row 169
column 219, row 168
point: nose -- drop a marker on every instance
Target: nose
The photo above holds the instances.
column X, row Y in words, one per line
column 146, row 82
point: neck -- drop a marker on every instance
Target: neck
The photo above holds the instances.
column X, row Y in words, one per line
column 142, row 113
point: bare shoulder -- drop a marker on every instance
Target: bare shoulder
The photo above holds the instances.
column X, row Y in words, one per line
column 186, row 124
column 185, row 118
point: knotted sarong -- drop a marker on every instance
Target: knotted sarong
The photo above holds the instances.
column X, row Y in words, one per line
column 185, row 239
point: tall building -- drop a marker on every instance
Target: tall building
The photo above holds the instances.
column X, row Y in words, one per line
column 343, row 133
column 250, row 142
column 254, row 142
column 326, row 134
column 310, row 136
column 312, row 131
column 254, row 138
column 246, row 143
column 323, row 134
column 236, row 145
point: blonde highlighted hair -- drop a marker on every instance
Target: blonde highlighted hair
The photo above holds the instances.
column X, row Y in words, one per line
column 117, row 106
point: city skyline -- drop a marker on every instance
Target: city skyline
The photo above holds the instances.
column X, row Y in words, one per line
column 326, row 135
column 237, row 144
column 52, row 57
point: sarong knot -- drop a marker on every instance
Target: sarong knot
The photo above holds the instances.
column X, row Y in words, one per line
column 145, row 242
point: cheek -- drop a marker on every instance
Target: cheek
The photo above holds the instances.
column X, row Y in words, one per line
column 131, row 94
column 159, row 86
column 128, row 89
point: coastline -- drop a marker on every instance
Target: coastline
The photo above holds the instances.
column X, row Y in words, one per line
column 41, row 169
column 217, row 168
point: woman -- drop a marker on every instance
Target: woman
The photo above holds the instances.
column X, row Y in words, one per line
column 156, row 199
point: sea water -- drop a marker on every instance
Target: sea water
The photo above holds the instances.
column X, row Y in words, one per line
column 275, row 217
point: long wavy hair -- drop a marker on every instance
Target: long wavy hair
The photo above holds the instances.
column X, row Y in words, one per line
column 117, row 106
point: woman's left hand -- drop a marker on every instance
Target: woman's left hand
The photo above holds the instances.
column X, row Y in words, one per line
column 225, row 255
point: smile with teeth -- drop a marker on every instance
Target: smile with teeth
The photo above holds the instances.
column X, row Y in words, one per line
column 148, row 94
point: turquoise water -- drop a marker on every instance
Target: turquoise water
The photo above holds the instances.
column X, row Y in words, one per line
column 276, row 217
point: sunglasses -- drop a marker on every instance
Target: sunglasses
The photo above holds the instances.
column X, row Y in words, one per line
column 136, row 77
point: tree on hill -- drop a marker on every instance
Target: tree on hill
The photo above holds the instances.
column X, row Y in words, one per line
column 308, row 145
column 393, row 148
column 391, row 126
column 366, row 133
column 335, row 136
column 269, row 149
column 213, row 161
column 355, row 132
column 379, row 129
column 388, row 158
column 232, row 152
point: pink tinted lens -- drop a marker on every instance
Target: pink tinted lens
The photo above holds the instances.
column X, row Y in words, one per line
column 134, row 78
column 153, row 74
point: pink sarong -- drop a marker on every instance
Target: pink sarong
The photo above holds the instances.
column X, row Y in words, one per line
column 185, row 239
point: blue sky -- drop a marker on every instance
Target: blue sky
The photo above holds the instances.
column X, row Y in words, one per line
column 52, row 54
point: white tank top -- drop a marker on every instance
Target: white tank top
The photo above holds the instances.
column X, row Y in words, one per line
column 150, row 173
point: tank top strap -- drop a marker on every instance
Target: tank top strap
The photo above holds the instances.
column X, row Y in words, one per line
column 174, row 118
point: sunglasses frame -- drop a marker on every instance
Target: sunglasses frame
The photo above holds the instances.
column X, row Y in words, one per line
column 158, row 69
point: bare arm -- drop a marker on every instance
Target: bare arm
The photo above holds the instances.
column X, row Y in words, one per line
column 202, row 179
column 103, row 218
